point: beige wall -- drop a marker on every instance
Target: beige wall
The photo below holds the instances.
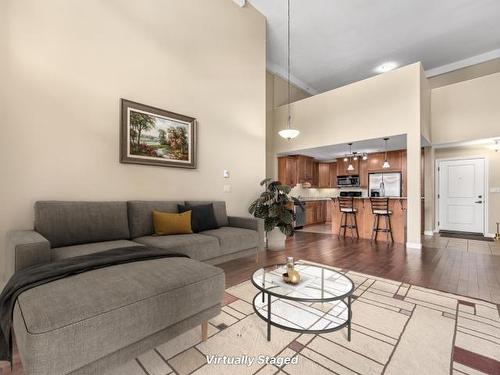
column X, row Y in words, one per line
column 66, row 64
column 493, row 160
column 465, row 74
column 281, row 92
column 384, row 105
column 277, row 95
column 466, row 111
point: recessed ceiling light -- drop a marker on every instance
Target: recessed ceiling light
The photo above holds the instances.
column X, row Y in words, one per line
column 385, row 67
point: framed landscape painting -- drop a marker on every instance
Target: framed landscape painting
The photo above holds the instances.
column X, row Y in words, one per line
column 154, row 136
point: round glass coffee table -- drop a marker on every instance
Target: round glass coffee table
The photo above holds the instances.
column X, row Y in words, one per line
column 320, row 303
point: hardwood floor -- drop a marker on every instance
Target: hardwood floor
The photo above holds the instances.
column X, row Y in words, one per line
column 461, row 267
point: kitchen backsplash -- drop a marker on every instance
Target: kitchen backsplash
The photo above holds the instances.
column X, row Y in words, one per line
column 298, row 190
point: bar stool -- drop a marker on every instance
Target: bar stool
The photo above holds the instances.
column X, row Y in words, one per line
column 346, row 205
column 380, row 207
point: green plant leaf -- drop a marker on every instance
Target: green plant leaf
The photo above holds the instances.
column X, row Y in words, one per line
column 265, row 181
column 273, row 206
column 286, row 217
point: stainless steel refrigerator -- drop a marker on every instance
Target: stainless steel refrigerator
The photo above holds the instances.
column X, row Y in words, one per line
column 384, row 184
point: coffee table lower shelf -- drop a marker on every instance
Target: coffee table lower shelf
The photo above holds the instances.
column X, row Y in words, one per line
column 303, row 316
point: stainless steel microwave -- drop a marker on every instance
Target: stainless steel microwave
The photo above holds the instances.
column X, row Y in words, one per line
column 348, row 181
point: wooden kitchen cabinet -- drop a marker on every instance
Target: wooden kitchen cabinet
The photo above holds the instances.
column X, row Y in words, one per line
column 328, row 211
column 321, row 212
column 315, row 212
column 287, row 170
column 376, row 162
column 342, row 167
column 333, row 175
column 315, row 181
column 363, row 173
column 305, row 169
column 310, row 213
column 324, row 175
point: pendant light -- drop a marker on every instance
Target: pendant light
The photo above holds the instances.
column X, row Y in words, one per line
column 289, row 132
column 386, row 163
column 350, row 167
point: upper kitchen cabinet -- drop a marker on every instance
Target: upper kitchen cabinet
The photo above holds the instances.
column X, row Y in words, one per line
column 363, row 173
column 324, row 175
column 375, row 162
column 305, row 169
column 298, row 169
column 333, row 174
column 287, row 170
column 342, row 167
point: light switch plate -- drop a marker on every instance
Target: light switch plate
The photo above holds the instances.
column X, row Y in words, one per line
column 495, row 190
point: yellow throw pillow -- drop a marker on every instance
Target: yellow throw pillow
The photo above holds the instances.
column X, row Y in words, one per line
column 166, row 223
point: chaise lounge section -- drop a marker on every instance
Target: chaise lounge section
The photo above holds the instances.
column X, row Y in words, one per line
column 90, row 322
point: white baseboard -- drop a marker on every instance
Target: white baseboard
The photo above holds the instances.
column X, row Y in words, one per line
column 414, row 245
column 428, row 233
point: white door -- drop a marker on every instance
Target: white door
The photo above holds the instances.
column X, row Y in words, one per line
column 461, row 195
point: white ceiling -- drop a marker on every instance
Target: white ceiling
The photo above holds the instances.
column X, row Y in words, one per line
column 332, row 152
column 336, row 42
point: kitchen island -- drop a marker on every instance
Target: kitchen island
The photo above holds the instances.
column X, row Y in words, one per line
column 365, row 218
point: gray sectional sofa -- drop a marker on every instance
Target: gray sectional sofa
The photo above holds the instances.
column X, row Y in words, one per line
column 90, row 322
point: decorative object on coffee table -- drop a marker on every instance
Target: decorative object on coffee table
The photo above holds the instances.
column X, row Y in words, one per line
column 274, row 205
column 153, row 136
column 291, row 276
column 322, row 300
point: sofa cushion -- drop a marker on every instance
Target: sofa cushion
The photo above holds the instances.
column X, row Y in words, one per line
column 73, row 223
column 202, row 216
column 140, row 215
column 234, row 239
column 166, row 223
column 82, row 318
column 196, row 246
column 219, row 210
column 88, row 248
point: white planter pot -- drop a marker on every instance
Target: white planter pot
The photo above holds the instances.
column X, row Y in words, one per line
column 276, row 240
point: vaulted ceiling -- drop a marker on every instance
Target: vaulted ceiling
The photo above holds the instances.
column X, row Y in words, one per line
column 336, row 42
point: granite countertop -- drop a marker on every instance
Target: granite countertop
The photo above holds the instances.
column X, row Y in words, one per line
column 305, row 199
column 313, row 199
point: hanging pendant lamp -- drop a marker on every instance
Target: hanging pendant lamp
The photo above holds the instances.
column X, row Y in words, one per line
column 386, row 162
column 350, row 166
column 289, row 132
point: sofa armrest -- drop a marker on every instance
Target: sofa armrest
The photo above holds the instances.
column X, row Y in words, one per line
column 249, row 223
column 26, row 248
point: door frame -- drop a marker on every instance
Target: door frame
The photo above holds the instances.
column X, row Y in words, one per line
column 485, row 195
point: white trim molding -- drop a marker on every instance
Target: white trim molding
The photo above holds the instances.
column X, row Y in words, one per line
column 240, row 3
column 281, row 72
column 483, row 57
column 429, row 233
column 413, row 245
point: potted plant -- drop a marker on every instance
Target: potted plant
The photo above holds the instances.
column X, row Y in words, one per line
column 275, row 206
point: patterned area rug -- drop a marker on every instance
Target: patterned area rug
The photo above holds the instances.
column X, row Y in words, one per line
column 397, row 329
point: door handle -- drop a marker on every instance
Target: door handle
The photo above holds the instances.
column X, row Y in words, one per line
column 478, row 202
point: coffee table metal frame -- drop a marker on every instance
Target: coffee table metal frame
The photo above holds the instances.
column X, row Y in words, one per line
column 269, row 292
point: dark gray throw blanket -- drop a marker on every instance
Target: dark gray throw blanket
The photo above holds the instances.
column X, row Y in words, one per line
column 45, row 273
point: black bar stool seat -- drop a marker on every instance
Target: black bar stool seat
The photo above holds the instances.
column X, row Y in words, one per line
column 346, row 207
